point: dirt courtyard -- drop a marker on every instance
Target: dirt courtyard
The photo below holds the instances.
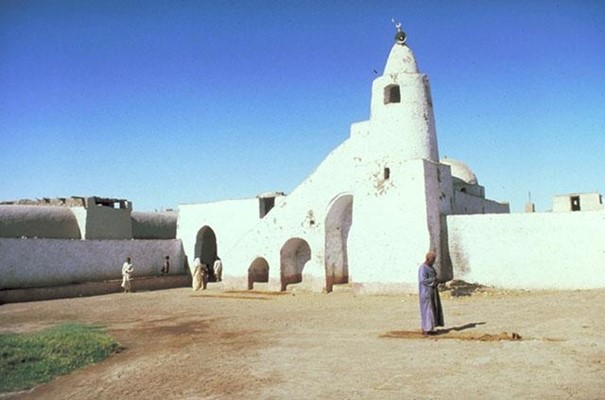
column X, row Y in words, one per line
column 180, row 344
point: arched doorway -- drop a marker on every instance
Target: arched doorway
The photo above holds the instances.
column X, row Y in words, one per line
column 337, row 226
column 258, row 272
column 206, row 250
column 294, row 255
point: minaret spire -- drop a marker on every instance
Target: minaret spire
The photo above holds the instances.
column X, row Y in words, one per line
column 402, row 106
column 401, row 59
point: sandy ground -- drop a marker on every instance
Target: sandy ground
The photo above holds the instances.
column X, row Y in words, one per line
column 180, row 344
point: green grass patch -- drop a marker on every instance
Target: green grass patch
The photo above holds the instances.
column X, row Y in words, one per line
column 27, row 360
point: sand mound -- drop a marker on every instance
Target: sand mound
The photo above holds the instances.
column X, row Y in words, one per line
column 445, row 334
column 458, row 288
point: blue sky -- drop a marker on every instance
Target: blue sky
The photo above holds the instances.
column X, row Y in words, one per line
column 174, row 102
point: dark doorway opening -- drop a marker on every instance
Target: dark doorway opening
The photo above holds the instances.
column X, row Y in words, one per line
column 206, row 250
column 575, row 203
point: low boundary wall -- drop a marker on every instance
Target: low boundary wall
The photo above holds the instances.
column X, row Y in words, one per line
column 37, row 263
column 529, row 251
column 93, row 288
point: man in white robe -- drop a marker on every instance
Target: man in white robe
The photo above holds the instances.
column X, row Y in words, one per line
column 127, row 275
column 197, row 274
column 218, row 269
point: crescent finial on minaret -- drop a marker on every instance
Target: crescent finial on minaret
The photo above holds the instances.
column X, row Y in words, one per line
column 397, row 24
column 400, row 36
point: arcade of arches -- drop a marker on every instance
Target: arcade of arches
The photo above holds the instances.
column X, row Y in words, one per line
column 296, row 252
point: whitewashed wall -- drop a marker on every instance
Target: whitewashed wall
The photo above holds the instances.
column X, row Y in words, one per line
column 530, row 251
column 301, row 215
column 28, row 263
column 390, row 233
column 229, row 219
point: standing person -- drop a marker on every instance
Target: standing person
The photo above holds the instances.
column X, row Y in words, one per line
column 126, row 275
column 166, row 265
column 197, row 274
column 431, row 313
column 218, row 269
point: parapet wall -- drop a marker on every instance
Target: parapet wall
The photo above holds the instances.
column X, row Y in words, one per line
column 529, row 251
column 26, row 263
column 465, row 203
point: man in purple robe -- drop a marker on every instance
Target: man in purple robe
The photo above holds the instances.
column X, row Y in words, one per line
column 431, row 313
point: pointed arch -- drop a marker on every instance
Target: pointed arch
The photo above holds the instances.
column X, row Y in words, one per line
column 294, row 255
column 339, row 219
column 206, row 249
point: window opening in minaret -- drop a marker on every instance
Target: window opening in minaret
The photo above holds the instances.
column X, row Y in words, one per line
column 392, row 94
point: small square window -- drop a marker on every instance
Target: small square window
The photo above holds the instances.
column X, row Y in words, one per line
column 392, row 94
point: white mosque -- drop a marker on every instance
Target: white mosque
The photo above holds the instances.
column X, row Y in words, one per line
column 367, row 214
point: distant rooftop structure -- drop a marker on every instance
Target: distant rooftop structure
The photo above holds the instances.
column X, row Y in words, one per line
column 73, row 201
column 577, row 202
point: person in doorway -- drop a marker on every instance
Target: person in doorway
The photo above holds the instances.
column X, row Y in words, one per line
column 218, row 269
column 166, row 265
column 431, row 312
column 127, row 270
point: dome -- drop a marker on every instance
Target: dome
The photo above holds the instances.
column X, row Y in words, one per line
column 460, row 170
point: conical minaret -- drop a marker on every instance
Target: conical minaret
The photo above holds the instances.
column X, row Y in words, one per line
column 401, row 108
column 399, row 195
